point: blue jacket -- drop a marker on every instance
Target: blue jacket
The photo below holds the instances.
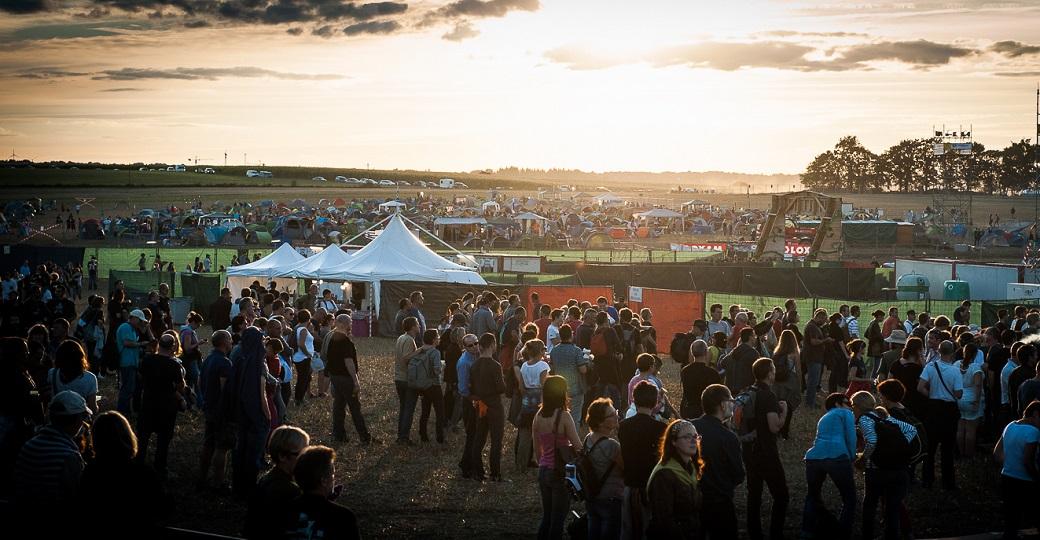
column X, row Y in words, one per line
column 835, row 436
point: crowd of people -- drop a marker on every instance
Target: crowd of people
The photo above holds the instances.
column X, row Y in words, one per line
column 580, row 383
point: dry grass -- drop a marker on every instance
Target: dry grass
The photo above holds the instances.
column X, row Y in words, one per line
column 417, row 492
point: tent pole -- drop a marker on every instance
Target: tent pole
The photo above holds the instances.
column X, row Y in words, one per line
column 360, row 234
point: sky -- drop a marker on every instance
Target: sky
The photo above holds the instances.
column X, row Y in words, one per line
column 757, row 86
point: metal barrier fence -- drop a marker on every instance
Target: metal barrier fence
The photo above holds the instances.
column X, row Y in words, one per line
column 806, row 306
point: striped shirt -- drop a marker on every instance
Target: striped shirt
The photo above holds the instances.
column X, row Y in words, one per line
column 866, row 427
column 48, row 468
column 852, row 324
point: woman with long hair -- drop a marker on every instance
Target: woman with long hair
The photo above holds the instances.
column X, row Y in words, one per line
column 532, row 373
column 859, row 378
column 71, row 372
column 452, row 352
column 788, row 387
column 303, row 355
column 40, row 359
column 672, row 491
column 557, row 437
column 604, row 452
column 907, row 371
column 971, row 403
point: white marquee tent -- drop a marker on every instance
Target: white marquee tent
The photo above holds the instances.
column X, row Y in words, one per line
column 398, row 255
column 315, row 267
column 241, row 276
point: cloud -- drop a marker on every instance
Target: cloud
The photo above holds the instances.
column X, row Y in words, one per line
column 463, row 10
column 210, row 74
column 326, row 31
column 1014, row 49
column 48, row 73
column 124, row 90
column 198, row 23
column 463, row 30
column 372, row 27
column 1029, row 74
column 921, row 53
column 734, row 56
column 25, row 6
column 795, row 33
column 4, row 132
column 582, row 59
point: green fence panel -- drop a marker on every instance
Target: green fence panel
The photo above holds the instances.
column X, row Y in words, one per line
column 116, row 258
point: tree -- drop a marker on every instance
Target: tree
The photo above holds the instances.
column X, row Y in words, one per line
column 822, row 173
column 1018, row 168
column 907, row 166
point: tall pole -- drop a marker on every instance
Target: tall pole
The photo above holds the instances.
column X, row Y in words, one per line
column 1036, row 159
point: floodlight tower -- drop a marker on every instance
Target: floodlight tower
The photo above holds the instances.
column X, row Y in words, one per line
column 953, row 206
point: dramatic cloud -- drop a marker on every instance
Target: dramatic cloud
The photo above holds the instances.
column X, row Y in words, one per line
column 1014, row 49
column 490, row 8
column 294, row 31
column 462, row 30
column 25, row 6
column 920, row 53
column 196, row 24
column 210, row 74
column 372, row 27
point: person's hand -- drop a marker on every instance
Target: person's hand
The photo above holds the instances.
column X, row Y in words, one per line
column 357, row 389
column 783, row 408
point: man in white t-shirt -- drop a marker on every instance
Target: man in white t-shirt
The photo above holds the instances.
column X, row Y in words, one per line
column 942, row 383
column 552, row 333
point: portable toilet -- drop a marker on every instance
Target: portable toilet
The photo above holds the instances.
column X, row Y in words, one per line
column 912, row 287
column 1020, row 291
column 955, row 289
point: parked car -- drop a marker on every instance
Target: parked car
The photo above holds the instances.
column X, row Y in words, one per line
column 340, row 179
column 389, row 183
column 403, row 183
column 252, row 174
column 319, row 179
column 266, row 174
column 447, row 183
column 209, row 170
column 461, row 185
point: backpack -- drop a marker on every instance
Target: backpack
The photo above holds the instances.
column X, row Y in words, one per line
column 292, row 339
column 918, row 446
column 680, row 347
column 590, row 482
column 629, row 341
column 420, row 374
column 744, row 414
column 598, row 344
column 892, row 451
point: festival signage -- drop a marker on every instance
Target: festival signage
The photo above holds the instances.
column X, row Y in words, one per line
column 716, row 247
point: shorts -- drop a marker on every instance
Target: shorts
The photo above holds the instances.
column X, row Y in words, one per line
column 218, row 434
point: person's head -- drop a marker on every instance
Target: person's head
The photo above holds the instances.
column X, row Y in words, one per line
column 315, row 470
column 646, row 315
column 601, row 302
column 404, row 304
column 520, row 313
column 893, row 312
column 844, row 310
column 947, row 349
column 913, row 349
column 741, row 318
column 554, row 396
column 856, row 346
column 682, row 443
column 625, row 315
column 602, row 319
column 469, row 344
column 891, row 392
column 718, row 339
column 820, row 316
column 854, row 311
column 700, row 327
column 194, row 319
column 70, row 360
column 589, row 316
column 942, row 322
column 487, row 344
column 533, row 350
column 733, row 310
column 303, row 316
column 1027, row 355
column 221, row 340
column 557, row 316
column 273, row 346
column 431, row 337
column 645, row 363
column 644, row 395
column 169, row 344
column 746, row 335
column 114, row 441
column 225, row 293
column 764, row 370
column 863, row 402
column 836, row 399
column 410, row 325
column 716, row 312
column 878, row 314
column 602, row 417
column 911, row 315
column 786, row 344
column 1031, row 413
column 285, row 445
column 574, row 313
column 716, row 400
column 699, row 351
column 456, row 335
column 543, row 311
column 790, row 304
column 68, row 412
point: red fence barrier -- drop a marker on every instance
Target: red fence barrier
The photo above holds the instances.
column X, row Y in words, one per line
column 558, row 295
column 673, row 311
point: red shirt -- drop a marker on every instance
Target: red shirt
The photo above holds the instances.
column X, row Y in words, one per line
column 543, row 327
column 891, row 323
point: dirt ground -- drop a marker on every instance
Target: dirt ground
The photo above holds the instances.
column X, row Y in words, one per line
column 417, row 492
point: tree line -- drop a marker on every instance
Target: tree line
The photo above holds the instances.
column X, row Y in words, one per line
column 911, row 166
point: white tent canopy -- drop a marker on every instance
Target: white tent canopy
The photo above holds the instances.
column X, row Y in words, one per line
column 608, row 198
column 659, row 213
column 530, row 216
column 392, row 206
column 240, row 276
column 314, row 267
column 398, row 255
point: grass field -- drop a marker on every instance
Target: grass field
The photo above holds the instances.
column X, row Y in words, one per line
column 417, row 492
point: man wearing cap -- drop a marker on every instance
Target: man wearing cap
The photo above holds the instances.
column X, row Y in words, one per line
column 49, row 466
column 910, row 322
column 942, row 383
column 129, row 348
column 895, row 341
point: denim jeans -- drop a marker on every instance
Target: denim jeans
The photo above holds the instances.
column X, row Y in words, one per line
column 577, row 406
column 813, row 373
column 892, row 485
column 768, row 470
column 406, row 400
column 191, row 379
column 342, row 397
column 556, row 501
column 127, row 386
column 840, row 472
column 163, row 425
column 604, row 518
column 432, row 397
column 248, row 456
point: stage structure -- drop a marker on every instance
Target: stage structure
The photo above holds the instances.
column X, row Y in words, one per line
column 951, row 204
column 827, row 244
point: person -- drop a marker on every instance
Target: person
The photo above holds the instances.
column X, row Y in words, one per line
column 191, row 357
column 304, row 355
column 483, row 321
column 92, row 273
column 162, row 380
column 998, row 342
column 220, row 310
column 71, row 372
column 433, row 394
column 640, row 438
column 552, row 428
column 891, row 322
column 603, row 499
column 881, row 479
column 837, row 354
column 273, row 349
column 531, row 374
column 907, row 370
column 606, row 360
column 341, row 364
column 695, row 377
column 761, row 456
column 469, row 415
column 787, row 359
column 416, row 301
column 723, row 466
column 859, row 378
column 672, row 487
column 814, row 351
column 20, row 407
column 735, row 367
column 647, row 368
column 404, row 349
column 552, row 332
column 1027, row 362
column 832, row 454
column 486, row 389
column 116, row 477
column 895, row 341
column 129, row 346
column 876, row 339
column 569, row 362
column 971, row 402
column 248, row 410
column 451, row 351
column 307, row 301
column 267, row 513
column 218, row 435
column 1029, row 390
column 942, row 383
column 314, row 515
column 327, row 302
column 717, row 324
column 49, row 466
column 1016, row 451
column 1006, row 411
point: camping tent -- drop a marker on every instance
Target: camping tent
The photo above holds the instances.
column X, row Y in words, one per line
column 392, row 206
column 608, row 199
column 265, row 269
column 398, row 255
column 659, row 213
column 314, row 267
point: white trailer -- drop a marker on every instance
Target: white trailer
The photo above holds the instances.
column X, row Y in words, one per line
column 937, row 272
column 447, row 183
column 1022, row 291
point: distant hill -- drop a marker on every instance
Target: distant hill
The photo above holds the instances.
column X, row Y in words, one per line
column 722, row 181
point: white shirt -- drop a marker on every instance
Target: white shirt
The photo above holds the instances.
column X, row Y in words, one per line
column 551, row 333
column 1005, row 373
column 908, row 326
column 721, row 326
column 532, row 373
column 950, row 375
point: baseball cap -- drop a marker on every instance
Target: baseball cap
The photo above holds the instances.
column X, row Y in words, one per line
column 68, row 403
column 139, row 314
